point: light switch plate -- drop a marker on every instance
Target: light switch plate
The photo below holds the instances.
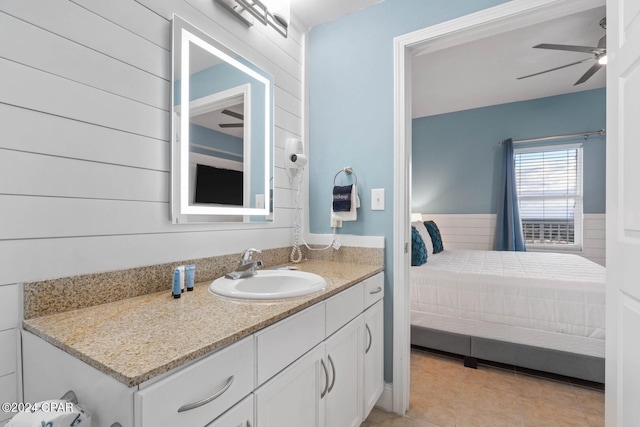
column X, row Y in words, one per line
column 259, row 201
column 377, row 199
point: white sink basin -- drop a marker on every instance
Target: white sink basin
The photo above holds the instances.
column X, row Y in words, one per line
column 269, row 284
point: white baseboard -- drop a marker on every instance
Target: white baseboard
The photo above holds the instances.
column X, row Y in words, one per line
column 385, row 402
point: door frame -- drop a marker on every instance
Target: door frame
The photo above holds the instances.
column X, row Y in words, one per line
column 505, row 17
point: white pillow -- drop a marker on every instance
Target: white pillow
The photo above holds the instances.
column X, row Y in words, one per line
column 426, row 238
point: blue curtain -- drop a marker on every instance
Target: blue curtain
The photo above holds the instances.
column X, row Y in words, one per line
column 509, row 227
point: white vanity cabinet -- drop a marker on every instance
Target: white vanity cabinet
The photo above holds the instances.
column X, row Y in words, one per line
column 373, row 355
column 320, row 367
column 49, row 373
column 374, row 341
column 322, row 388
column 345, row 359
column 240, row 415
column 295, row 397
column 330, row 386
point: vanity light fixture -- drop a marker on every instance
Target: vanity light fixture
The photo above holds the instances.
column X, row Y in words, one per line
column 274, row 13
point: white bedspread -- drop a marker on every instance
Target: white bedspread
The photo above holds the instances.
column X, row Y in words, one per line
column 555, row 293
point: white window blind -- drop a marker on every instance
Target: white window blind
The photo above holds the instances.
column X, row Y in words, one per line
column 549, row 185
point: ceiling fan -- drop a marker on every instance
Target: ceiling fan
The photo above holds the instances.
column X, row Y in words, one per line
column 235, row 115
column 599, row 55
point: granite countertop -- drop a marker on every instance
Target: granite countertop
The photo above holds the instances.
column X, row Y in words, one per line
column 137, row 339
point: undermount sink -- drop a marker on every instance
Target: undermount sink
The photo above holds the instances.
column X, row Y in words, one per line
column 269, row 284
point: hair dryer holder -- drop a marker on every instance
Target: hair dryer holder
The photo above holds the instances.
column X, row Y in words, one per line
column 294, row 157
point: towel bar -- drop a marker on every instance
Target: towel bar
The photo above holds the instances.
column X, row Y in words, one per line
column 348, row 171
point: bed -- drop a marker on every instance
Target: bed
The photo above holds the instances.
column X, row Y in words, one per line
column 543, row 311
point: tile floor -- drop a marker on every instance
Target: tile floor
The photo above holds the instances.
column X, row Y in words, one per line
column 446, row 394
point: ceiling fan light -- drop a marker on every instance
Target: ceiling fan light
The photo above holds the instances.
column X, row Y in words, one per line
column 602, row 60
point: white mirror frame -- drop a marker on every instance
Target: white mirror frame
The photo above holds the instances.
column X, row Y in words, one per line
column 181, row 206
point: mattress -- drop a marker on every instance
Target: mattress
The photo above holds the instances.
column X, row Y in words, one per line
column 547, row 300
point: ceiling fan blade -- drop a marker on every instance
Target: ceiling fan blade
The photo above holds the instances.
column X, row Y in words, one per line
column 590, row 72
column 602, row 43
column 231, row 125
column 571, row 48
column 554, row 69
column 233, row 114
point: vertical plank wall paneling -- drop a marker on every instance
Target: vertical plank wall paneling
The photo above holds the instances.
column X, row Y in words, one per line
column 84, row 161
column 477, row 231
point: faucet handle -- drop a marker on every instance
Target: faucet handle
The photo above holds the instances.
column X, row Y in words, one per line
column 246, row 255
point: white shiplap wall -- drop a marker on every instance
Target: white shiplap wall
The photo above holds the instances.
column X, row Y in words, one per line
column 9, row 349
column 477, row 231
column 84, row 157
column 84, row 152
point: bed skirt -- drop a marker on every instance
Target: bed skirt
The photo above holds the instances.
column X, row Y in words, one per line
column 574, row 365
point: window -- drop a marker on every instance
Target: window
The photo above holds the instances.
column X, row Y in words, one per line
column 549, row 185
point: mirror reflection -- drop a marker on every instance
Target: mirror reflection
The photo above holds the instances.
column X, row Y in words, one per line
column 222, row 129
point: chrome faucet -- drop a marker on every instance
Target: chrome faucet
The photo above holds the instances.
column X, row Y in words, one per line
column 247, row 266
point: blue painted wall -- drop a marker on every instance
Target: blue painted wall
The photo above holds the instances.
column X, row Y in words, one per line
column 351, row 114
column 457, row 159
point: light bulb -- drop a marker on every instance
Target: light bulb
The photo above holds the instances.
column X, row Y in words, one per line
column 602, row 60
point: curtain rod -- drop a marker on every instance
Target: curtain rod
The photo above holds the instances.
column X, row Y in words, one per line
column 567, row 135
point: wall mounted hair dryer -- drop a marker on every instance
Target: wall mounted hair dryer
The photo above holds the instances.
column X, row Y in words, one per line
column 294, row 157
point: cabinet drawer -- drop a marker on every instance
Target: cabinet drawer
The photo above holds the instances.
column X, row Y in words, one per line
column 227, row 374
column 343, row 307
column 279, row 345
column 240, row 415
column 8, row 350
column 373, row 289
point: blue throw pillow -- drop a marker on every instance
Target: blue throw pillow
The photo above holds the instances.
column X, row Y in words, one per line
column 436, row 239
column 418, row 249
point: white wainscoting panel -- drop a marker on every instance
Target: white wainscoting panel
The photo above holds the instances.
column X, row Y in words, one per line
column 477, row 231
column 465, row 231
column 594, row 246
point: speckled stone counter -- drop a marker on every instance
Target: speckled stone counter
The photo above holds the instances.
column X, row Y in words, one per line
column 136, row 339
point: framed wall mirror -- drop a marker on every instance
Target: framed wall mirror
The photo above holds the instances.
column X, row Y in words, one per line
column 222, row 132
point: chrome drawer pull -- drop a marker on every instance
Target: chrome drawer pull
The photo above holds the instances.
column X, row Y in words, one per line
column 377, row 291
column 370, row 339
column 326, row 379
column 333, row 370
column 206, row 400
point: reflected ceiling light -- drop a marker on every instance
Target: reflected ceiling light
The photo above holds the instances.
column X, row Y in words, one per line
column 275, row 13
column 602, row 60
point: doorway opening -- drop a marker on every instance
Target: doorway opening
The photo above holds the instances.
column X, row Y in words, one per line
column 499, row 19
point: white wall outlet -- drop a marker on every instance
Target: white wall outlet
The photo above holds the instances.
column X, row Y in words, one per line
column 259, row 201
column 336, row 222
column 377, row 199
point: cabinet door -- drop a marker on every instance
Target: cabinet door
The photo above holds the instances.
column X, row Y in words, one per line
column 373, row 356
column 345, row 360
column 240, row 415
column 296, row 396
